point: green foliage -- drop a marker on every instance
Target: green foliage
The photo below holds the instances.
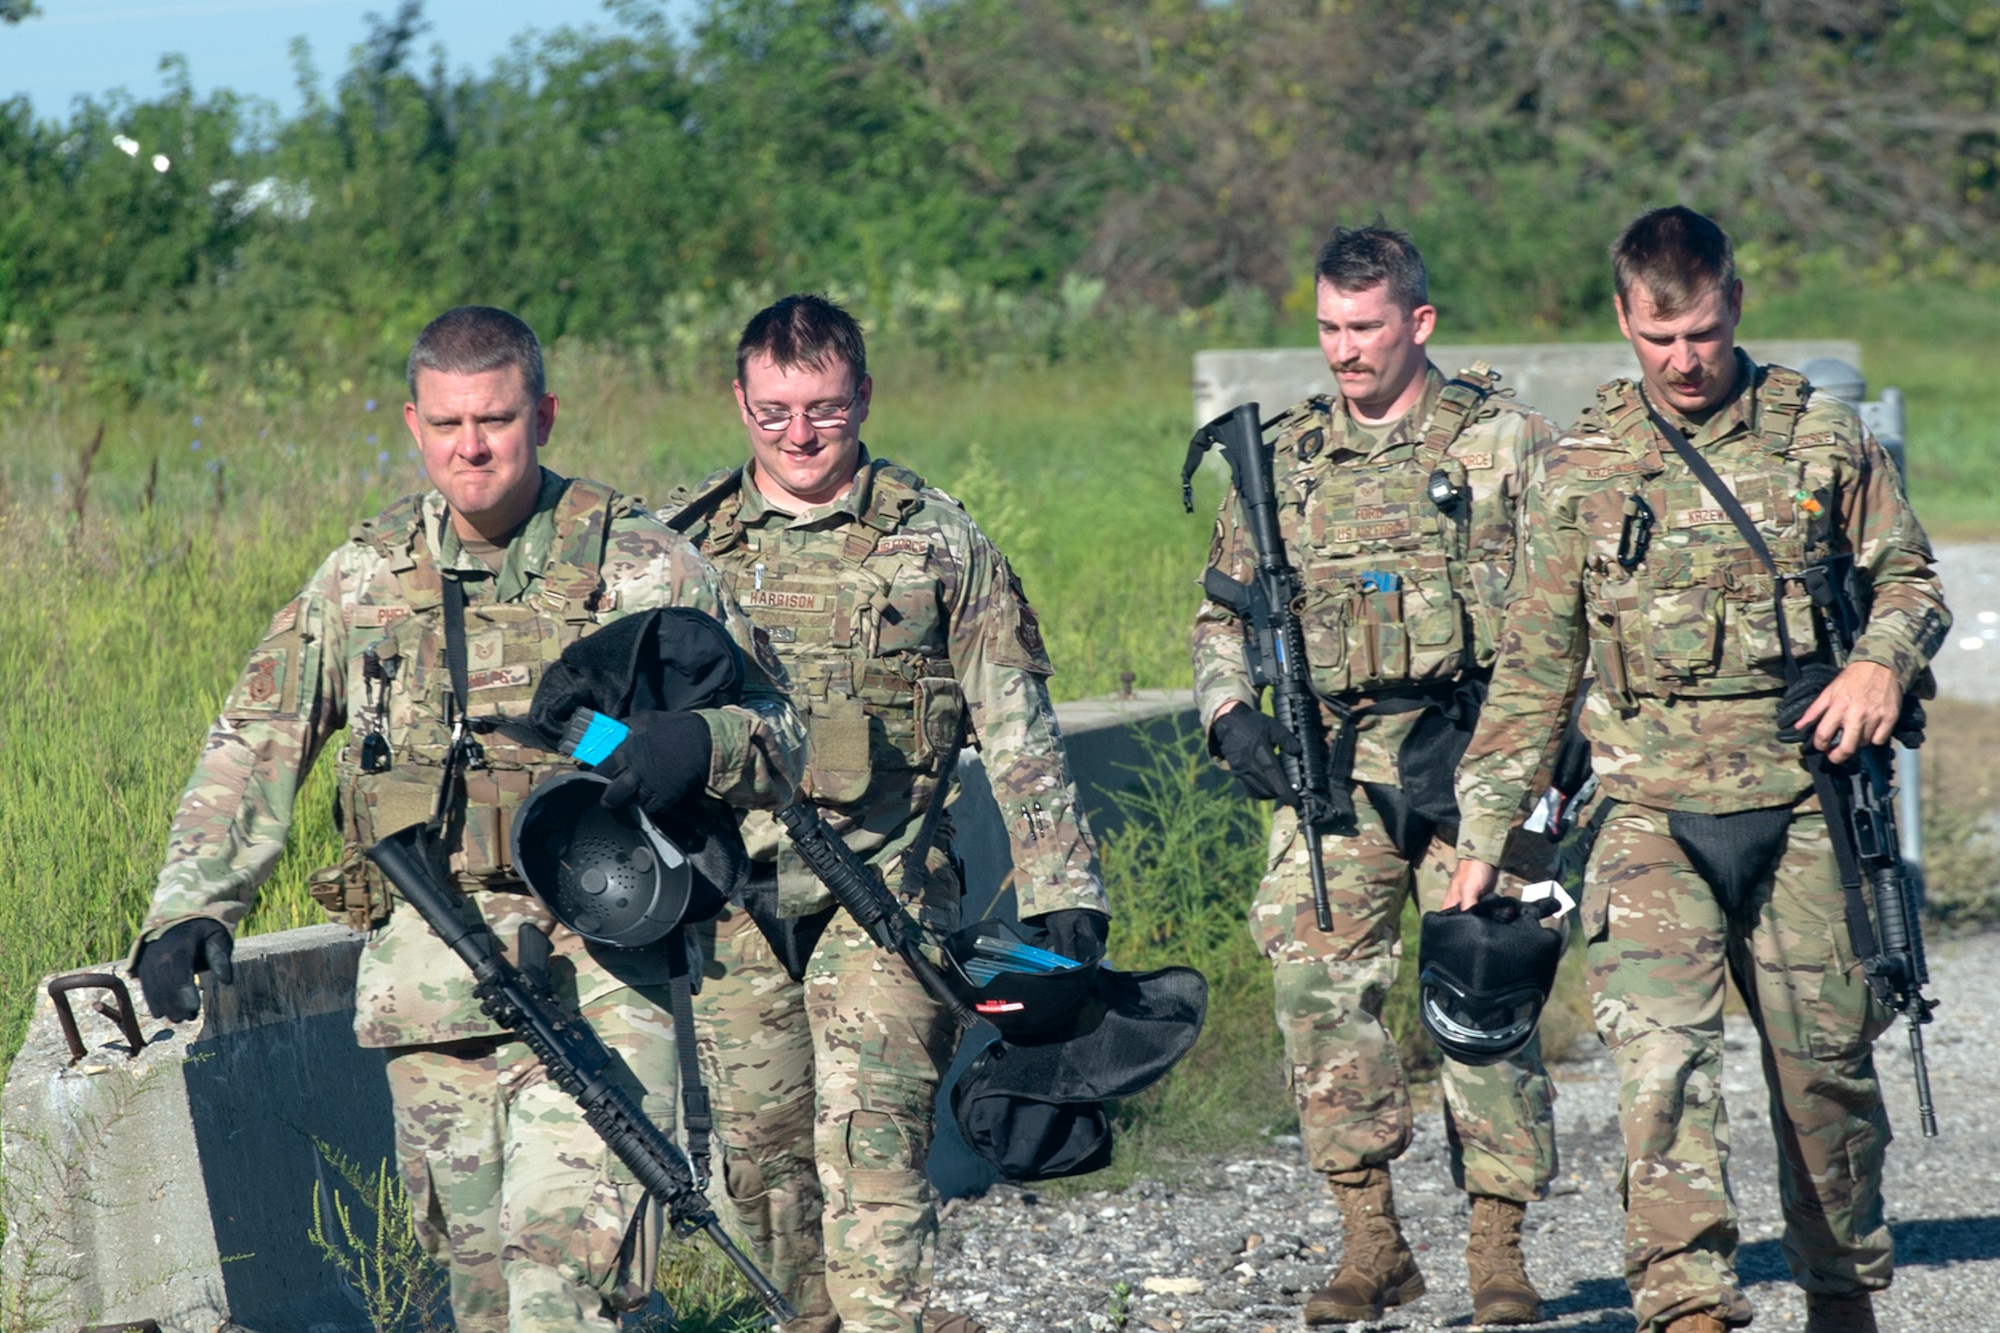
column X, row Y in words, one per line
column 980, row 167
column 372, row 1241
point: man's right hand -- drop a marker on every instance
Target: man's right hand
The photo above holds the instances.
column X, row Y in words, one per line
column 1472, row 881
column 1247, row 739
column 167, row 966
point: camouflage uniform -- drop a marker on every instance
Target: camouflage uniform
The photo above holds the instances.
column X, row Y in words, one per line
column 1351, row 502
column 898, row 621
column 1685, row 652
column 538, row 1225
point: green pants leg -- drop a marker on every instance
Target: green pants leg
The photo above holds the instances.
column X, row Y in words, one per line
column 1346, row 1078
column 757, row 1058
column 539, row 1227
column 842, row 1212
column 1659, row 948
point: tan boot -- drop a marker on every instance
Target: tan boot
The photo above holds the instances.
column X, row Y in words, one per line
column 1840, row 1314
column 945, row 1321
column 1501, row 1292
column 1376, row 1267
column 1697, row 1323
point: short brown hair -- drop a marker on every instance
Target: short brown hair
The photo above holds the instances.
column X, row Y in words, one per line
column 473, row 339
column 1357, row 258
column 803, row 330
column 1676, row 254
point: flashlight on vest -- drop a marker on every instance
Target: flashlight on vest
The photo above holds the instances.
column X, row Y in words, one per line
column 1443, row 494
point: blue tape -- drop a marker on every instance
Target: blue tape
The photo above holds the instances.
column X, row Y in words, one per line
column 600, row 738
column 1381, row 580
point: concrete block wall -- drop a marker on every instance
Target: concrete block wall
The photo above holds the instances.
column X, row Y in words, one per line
column 1558, row 379
column 177, row 1185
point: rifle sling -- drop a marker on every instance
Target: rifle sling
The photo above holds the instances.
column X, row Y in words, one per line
column 918, row 852
column 696, row 1112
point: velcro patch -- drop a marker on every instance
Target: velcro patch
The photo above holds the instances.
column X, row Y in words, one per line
column 263, row 684
column 499, row 678
column 374, row 617
column 1699, row 518
column 1371, row 532
column 1609, row 470
column 903, row 545
column 287, row 617
column 787, row 601
column 1475, row 462
column 1372, row 513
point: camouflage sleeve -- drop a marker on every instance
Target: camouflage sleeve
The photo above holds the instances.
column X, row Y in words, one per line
column 229, row 827
column 1907, row 618
column 1221, row 671
column 758, row 746
column 1534, row 674
column 996, row 650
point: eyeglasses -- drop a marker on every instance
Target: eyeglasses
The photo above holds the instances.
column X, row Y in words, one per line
column 819, row 416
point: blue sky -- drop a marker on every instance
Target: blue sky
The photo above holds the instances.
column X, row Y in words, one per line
column 77, row 47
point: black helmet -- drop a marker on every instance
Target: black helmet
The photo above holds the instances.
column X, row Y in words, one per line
column 609, row 875
column 1483, row 976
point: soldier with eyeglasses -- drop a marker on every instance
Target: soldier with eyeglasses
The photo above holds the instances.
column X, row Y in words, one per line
column 904, row 631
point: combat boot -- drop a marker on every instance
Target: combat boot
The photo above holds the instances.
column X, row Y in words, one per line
column 1703, row 1322
column 1376, row 1267
column 1840, row 1314
column 1501, row 1292
column 945, row 1321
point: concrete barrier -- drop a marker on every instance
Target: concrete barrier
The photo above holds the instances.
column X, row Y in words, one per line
column 1558, row 379
column 176, row 1183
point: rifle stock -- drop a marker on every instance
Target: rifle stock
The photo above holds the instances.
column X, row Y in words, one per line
column 569, row 1050
column 1274, row 636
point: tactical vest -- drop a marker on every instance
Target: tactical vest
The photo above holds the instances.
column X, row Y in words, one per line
column 1695, row 617
column 1388, row 600
column 400, row 615
column 856, row 619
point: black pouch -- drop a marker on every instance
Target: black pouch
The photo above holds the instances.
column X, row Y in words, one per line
column 1428, row 765
column 1733, row 852
column 792, row 938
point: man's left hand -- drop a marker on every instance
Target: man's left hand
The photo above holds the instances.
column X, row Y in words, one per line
column 661, row 763
column 1859, row 708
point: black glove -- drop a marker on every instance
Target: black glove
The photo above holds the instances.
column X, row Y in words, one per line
column 1245, row 738
column 167, row 966
column 661, row 763
column 1073, row 932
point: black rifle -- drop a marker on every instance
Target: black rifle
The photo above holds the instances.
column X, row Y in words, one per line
column 856, row 887
column 520, row 1001
column 1274, row 639
column 1865, row 844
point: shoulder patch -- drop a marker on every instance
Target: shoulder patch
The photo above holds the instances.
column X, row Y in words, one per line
column 767, row 656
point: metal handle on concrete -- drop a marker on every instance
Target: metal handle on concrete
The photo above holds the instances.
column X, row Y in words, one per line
column 124, row 1017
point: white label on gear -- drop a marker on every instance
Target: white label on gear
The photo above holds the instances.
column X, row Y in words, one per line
column 1550, row 888
column 1545, row 811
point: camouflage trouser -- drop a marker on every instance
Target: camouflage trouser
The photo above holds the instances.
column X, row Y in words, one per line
column 1659, row 946
column 824, row 1095
column 539, row 1226
column 1354, row 1109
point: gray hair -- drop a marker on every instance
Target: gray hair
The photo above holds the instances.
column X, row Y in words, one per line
column 473, row 339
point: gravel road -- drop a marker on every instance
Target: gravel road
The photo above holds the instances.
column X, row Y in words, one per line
column 1968, row 665
column 1234, row 1244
